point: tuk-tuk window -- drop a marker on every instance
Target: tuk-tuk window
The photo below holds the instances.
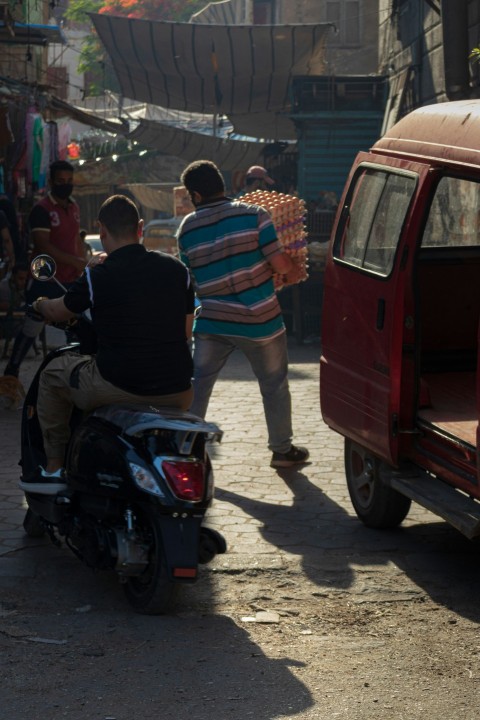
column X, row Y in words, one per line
column 373, row 218
column 454, row 217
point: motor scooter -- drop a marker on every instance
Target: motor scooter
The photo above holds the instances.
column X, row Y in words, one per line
column 138, row 482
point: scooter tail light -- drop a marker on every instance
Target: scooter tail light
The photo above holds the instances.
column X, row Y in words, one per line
column 185, row 478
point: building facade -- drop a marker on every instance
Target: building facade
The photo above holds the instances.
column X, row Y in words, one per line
column 352, row 46
column 424, row 48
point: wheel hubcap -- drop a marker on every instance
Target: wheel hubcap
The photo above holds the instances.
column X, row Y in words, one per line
column 363, row 478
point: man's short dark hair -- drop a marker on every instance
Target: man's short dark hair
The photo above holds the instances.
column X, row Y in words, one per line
column 120, row 216
column 204, row 177
column 59, row 166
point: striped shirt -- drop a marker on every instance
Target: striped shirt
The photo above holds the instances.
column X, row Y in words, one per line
column 227, row 245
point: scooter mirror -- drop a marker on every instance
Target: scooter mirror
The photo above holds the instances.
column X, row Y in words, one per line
column 43, row 267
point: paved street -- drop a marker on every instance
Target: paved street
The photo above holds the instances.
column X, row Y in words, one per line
column 268, row 516
column 301, row 517
column 363, row 624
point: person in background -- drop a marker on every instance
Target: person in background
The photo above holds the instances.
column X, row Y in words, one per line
column 7, row 207
column 142, row 312
column 86, row 248
column 12, row 299
column 12, row 289
column 7, row 253
column 256, row 178
column 232, row 251
column 54, row 229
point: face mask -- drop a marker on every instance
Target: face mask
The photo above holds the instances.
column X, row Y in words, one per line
column 62, row 191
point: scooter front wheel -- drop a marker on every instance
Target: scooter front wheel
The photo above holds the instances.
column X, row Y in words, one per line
column 151, row 592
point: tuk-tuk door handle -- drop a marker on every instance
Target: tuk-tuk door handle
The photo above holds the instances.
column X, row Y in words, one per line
column 380, row 314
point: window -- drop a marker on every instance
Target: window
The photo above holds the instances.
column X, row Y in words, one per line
column 372, row 219
column 263, row 12
column 345, row 14
column 57, row 76
column 454, row 217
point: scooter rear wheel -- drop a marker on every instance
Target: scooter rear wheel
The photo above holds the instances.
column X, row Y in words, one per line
column 33, row 525
column 151, row 592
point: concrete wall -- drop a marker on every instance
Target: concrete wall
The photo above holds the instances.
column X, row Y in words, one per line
column 342, row 59
column 21, row 62
column 67, row 56
column 411, row 36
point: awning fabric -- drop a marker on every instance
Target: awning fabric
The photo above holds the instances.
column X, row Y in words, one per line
column 266, row 124
column 173, row 133
column 226, row 153
column 107, row 176
column 188, row 136
column 240, row 70
column 86, row 117
column 17, row 33
column 152, row 196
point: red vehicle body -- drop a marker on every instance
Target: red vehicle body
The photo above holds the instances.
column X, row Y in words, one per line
column 399, row 375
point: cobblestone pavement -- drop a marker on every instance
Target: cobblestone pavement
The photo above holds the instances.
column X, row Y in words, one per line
column 269, row 517
column 365, row 625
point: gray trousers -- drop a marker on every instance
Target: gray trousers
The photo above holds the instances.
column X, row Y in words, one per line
column 268, row 360
column 57, row 397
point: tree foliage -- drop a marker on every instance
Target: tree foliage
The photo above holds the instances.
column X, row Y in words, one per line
column 179, row 10
column 93, row 59
column 475, row 54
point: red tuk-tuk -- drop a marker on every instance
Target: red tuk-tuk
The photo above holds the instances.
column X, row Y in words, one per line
column 399, row 374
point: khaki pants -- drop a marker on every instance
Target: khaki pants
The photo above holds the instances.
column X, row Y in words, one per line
column 57, row 397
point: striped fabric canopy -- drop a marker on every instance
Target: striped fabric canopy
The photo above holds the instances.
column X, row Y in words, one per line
column 232, row 70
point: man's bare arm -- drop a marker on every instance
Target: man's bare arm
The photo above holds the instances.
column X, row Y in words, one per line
column 52, row 310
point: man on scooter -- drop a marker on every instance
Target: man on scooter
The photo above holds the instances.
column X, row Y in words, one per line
column 142, row 306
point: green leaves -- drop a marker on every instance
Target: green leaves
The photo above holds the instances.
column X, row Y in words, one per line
column 475, row 54
column 92, row 57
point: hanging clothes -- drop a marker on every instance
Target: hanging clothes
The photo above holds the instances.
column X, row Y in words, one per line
column 45, row 159
column 34, row 132
column 64, row 137
column 53, row 132
column 6, row 134
column 37, row 149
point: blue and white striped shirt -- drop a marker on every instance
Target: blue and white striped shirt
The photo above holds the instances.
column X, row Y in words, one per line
column 227, row 245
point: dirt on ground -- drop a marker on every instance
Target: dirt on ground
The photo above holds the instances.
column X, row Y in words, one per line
column 259, row 642
column 308, row 615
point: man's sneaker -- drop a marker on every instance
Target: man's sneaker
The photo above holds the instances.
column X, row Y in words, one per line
column 295, row 456
column 45, row 483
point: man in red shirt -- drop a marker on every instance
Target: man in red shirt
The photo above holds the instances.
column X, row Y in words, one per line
column 55, row 230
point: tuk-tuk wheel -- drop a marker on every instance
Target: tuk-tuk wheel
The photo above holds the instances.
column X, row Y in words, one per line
column 376, row 504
